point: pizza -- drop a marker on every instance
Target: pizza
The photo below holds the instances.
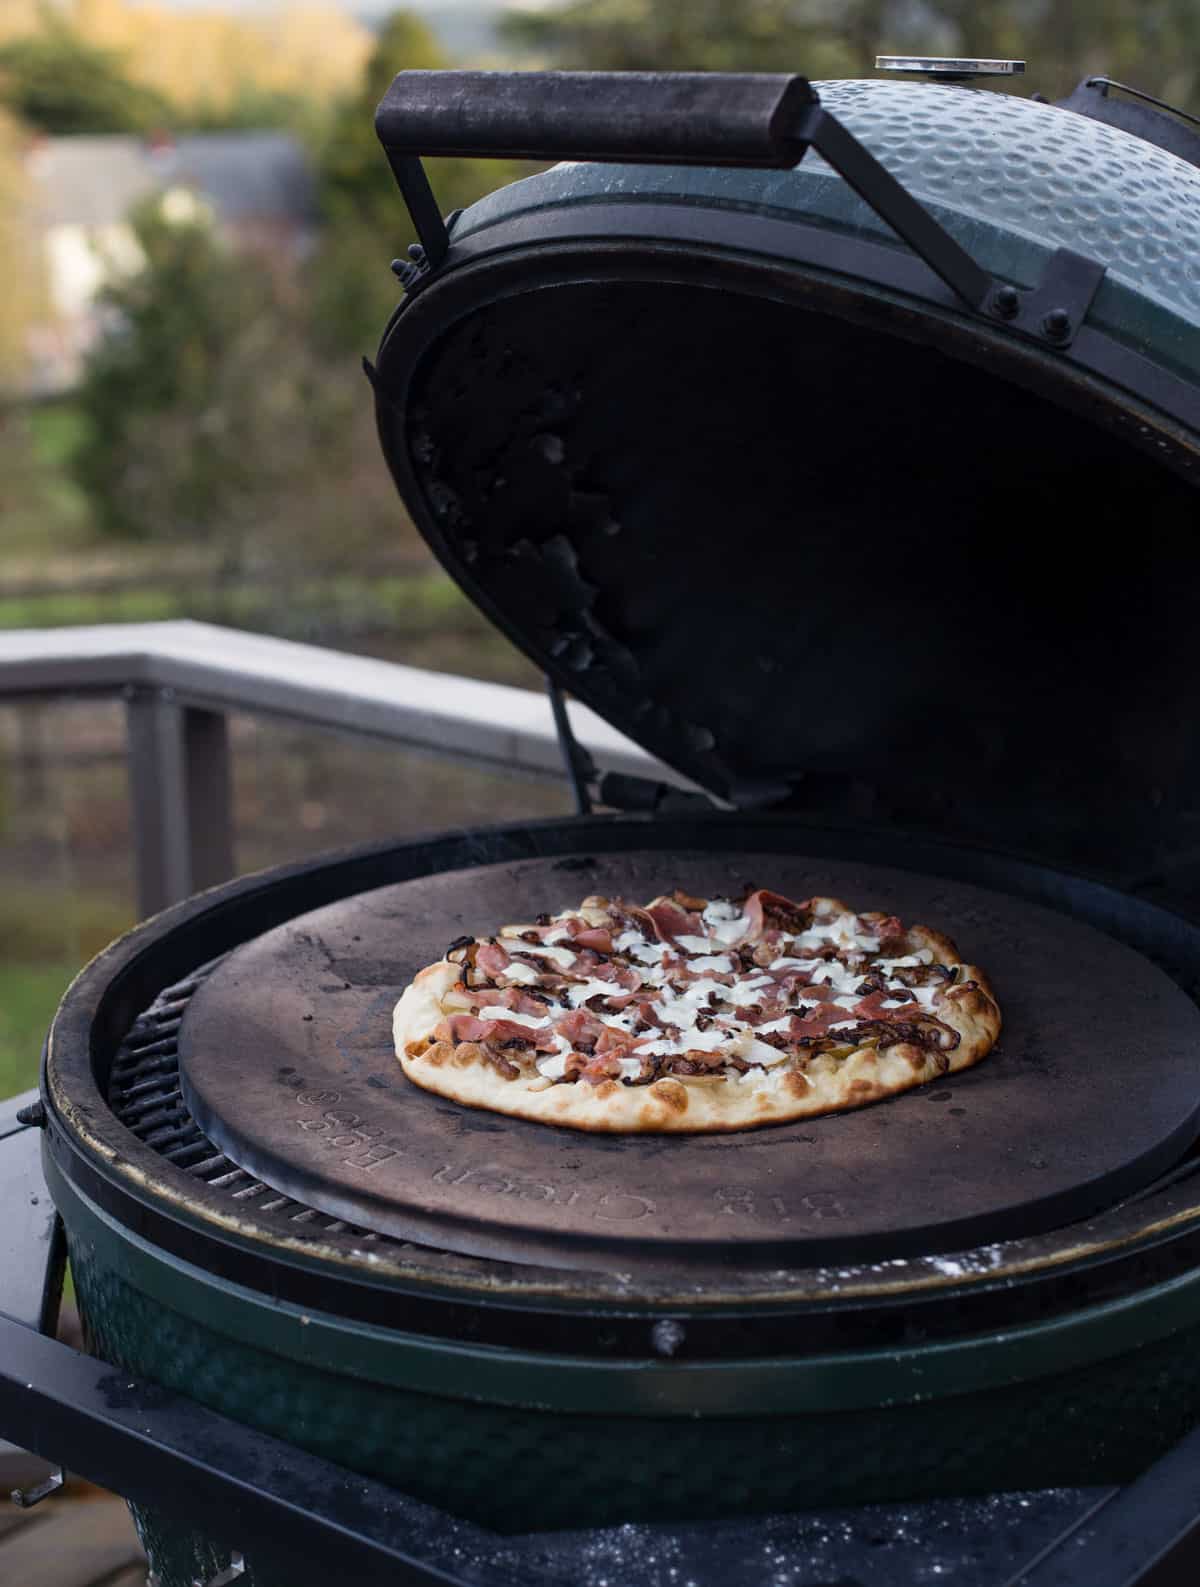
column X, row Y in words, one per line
column 693, row 1014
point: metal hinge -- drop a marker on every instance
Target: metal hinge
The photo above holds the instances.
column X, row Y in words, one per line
column 616, row 790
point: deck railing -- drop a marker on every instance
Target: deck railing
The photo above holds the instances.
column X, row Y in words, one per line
column 179, row 680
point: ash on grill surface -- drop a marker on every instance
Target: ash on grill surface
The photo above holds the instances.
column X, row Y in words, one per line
column 287, row 1062
column 967, row 1542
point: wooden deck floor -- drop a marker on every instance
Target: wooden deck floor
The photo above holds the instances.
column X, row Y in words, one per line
column 82, row 1537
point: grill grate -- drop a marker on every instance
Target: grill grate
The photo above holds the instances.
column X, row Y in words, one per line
column 144, row 1094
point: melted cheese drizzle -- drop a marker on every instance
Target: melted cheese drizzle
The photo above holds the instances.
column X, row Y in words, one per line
column 725, row 922
column 703, row 957
column 519, row 971
column 512, row 1017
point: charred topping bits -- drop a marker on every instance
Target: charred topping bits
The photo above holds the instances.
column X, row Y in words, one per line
column 909, row 1022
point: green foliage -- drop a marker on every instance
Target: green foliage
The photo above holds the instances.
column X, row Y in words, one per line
column 19, row 262
column 42, row 512
column 58, row 82
column 297, row 603
column 29, row 994
column 204, row 406
column 46, row 934
column 251, row 109
column 704, row 35
column 1153, row 43
column 355, row 178
column 367, row 221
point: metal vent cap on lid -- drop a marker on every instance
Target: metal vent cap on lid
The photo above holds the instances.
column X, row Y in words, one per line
column 805, row 489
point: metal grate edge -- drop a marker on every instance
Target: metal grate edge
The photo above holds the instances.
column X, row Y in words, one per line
column 145, row 1096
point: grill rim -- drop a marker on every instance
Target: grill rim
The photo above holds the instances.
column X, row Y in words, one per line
column 150, row 1195
column 640, row 1379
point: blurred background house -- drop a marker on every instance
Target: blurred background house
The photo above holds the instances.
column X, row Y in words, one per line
column 256, row 189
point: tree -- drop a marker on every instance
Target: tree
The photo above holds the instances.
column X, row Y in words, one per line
column 59, row 83
column 19, row 262
column 274, row 65
column 203, row 404
column 366, row 222
column 702, row 35
column 1155, row 44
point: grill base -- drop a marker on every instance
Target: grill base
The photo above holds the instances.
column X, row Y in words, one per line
column 520, row 1470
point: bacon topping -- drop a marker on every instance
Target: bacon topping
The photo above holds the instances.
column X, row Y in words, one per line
column 581, row 1028
column 491, row 958
column 468, row 1027
column 510, row 997
column 597, row 938
column 803, row 1011
column 887, row 928
column 772, row 912
column 670, row 921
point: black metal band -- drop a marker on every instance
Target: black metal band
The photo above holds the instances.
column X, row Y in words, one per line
column 852, row 267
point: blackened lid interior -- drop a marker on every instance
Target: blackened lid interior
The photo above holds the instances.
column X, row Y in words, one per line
column 812, row 560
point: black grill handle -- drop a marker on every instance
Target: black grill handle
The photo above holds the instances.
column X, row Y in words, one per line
column 655, row 118
column 763, row 120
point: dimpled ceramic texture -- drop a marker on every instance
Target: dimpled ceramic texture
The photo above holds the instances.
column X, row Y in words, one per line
column 1010, row 178
column 511, row 1469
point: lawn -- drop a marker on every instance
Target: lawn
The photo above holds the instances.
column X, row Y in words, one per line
column 47, row 934
column 29, row 994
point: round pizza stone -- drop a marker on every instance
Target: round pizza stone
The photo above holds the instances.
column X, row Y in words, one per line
column 287, row 1063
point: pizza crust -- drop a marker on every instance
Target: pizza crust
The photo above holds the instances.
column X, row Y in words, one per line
column 692, row 1104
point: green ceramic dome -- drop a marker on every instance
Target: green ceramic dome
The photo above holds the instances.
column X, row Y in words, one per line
column 1010, row 178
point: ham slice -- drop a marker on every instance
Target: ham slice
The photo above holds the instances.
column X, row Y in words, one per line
column 670, row 921
column 770, row 913
column 491, row 958
column 598, row 938
column 468, row 1027
column 510, row 997
column 580, row 1027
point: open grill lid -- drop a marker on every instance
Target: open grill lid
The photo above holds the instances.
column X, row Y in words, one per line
column 824, row 518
